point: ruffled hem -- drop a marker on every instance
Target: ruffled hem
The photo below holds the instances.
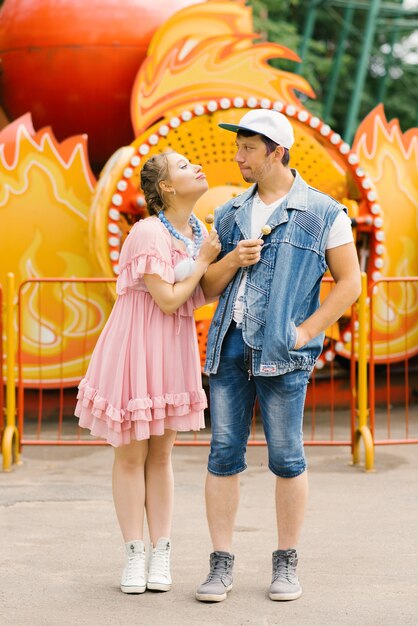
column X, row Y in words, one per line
column 142, row 417
column 139, row 265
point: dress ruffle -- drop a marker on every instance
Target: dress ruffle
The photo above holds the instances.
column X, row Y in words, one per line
column 141, row 264
column 142, row 417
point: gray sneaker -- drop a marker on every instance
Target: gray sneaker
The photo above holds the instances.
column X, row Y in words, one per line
column 219, row 580
column 285, row 584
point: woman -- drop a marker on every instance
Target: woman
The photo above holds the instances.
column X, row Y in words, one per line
column 143, row 383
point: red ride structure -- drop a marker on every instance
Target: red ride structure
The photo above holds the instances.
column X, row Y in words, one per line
column 72, row 64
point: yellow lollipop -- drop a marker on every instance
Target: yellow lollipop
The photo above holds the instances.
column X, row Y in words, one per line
column 266, row 230
column 209, row 219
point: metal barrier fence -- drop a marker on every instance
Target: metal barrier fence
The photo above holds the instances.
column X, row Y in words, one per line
column 45, row 416
column 9, row 433
column 396, row 397
column 2, row 407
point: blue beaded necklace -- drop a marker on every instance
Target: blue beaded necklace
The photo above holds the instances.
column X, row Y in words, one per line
column 192, row 247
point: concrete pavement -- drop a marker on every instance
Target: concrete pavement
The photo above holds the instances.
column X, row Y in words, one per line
column 62, row 553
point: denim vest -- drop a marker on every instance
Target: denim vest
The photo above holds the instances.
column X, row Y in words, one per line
column 282, row 289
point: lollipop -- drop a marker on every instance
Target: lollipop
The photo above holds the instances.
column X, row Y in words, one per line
column 265, row 230
column 209, row 219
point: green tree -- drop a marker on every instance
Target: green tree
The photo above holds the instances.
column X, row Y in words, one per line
column 391, row 70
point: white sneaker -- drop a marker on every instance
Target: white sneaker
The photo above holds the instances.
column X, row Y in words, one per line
column 159, row 578
column 133, row 576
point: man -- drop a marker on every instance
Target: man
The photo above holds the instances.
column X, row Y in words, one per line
column 267, row 333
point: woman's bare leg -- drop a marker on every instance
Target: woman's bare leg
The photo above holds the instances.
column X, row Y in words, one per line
column 129, row 488
column 159, row 485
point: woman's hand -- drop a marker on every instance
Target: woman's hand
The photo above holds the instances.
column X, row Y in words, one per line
column 211, row 248
column 170, row 297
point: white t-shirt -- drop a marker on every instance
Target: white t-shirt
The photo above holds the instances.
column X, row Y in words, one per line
column 340, row 233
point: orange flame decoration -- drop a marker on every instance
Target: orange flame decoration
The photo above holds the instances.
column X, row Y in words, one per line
column 46, row 187
column 45, row 193
column 391, row 159
column 187, row 78
column 196, row 68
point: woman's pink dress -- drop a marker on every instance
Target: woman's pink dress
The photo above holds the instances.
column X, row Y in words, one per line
column 144, row 374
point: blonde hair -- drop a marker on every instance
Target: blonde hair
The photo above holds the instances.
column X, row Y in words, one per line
column 153, row 172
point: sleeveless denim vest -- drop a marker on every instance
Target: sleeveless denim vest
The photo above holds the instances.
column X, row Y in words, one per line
column 282, row 289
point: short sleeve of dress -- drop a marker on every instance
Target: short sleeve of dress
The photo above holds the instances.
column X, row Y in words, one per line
column 146, row 250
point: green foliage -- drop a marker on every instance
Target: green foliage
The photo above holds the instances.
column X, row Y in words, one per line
column 283, row 22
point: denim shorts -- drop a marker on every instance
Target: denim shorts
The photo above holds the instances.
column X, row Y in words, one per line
column 232, row 397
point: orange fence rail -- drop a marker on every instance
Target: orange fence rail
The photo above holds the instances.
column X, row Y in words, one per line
column 2, row 407
column 45, row 415
column 393, row 386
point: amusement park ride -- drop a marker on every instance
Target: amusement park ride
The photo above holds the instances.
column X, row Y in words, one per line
column 135, row 77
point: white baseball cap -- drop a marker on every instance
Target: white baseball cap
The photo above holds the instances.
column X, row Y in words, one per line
column 271, row 124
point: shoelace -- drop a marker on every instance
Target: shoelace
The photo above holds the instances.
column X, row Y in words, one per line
column 218, row 566
column 160, row 561
column 284, row 566
column 135, row 566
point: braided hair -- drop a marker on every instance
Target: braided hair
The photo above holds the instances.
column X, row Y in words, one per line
column 153, row 172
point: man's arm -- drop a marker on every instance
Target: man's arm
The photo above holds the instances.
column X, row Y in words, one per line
column 220, row 274
column 344, row 267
